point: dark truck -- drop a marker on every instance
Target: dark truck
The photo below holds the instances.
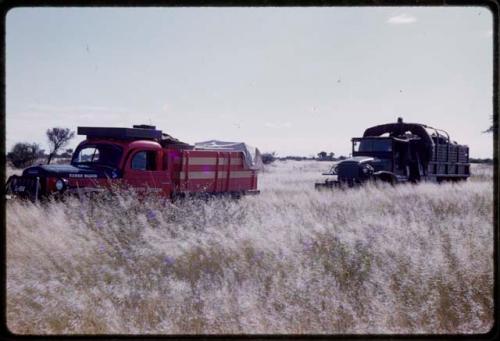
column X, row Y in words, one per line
column 401, row 152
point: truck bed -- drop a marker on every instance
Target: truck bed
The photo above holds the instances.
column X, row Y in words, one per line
column 215, row 172
column 449, row 160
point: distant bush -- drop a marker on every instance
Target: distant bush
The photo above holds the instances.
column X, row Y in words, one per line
column 487, row 161
column 67, row 154
column 296, row 158
column 23, row 154
column 268, row 158
column 324, row 156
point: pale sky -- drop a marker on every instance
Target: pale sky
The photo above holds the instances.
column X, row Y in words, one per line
column 292, row 80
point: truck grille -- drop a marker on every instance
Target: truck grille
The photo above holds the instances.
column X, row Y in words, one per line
column 23, row 185
column 348, row 171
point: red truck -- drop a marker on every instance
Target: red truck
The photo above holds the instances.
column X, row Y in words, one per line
column 146, row 159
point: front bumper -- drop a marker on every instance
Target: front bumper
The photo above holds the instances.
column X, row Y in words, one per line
column 24, row 187
column 327, row 184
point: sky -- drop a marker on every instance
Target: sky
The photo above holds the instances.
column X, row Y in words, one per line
column 295, row 81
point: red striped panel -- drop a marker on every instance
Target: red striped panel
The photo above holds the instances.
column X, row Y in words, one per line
column 208, row 171
column 212, row 168
column 195, row 185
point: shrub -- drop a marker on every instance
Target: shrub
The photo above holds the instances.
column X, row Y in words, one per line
column 23, row 154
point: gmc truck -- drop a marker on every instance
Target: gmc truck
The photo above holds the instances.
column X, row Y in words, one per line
column 401, row 152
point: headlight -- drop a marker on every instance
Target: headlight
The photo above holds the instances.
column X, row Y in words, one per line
column 60, row 184
column 367, row 169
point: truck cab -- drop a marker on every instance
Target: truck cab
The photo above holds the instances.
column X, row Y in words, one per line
column 140, row 164
column 131, row 157
column 391, row 154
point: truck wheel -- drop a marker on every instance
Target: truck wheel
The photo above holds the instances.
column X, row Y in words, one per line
column 236, row 195
column 387, row 178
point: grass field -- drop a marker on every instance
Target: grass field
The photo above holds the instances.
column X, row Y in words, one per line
column 377, row 259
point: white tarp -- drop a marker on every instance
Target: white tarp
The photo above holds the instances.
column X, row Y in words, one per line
column 253, row 159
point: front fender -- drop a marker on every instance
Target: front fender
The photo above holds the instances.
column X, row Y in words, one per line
column 385, row 176
column 23, row 187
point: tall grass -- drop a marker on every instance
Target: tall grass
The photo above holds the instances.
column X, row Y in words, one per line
column 377, row 259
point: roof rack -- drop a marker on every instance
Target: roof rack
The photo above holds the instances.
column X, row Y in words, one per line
column 136, row 133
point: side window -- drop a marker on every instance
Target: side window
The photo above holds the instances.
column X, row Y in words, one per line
column 88, row 154
column 145, row 160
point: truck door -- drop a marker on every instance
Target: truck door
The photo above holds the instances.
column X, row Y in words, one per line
column 144, row 172
column 401, row 158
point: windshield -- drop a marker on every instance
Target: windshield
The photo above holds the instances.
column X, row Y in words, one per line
column 373, row 145
column 98, row 154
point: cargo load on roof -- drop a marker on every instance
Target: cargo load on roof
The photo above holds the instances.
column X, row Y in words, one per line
column 253, row 158
column 137, row 132
column 120, row 133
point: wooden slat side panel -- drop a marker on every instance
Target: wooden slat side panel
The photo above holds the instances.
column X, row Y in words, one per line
column 212, row 174
column 199, row 167
column 205, row 171
column 211, row 161
column 241, row 184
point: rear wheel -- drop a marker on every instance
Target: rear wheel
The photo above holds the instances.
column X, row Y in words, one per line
column 236, row 195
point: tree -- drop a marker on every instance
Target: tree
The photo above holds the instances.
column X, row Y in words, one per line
column 58, row 138
column 322, row 155
column 23, row 154
column 330, row 156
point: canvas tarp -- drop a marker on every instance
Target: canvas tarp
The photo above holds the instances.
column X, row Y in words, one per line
column 253, row 159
